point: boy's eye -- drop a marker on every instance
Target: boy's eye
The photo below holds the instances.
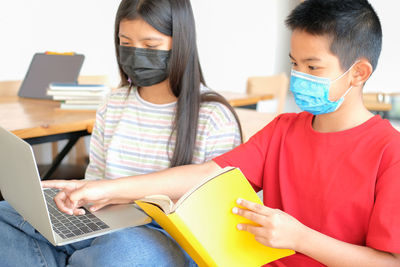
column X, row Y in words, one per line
column 312, row 67
column 294, row 64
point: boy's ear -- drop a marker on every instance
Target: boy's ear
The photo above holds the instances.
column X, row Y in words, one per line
column 362, row 70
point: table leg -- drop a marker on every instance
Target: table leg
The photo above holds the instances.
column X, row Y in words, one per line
column 72, row 139
column 57, row 160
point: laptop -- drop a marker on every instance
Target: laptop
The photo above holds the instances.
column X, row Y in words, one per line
column 48, row 68
column 20, row 185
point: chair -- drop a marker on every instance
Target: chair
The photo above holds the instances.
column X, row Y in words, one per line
column 9, row 88
column 276, row 85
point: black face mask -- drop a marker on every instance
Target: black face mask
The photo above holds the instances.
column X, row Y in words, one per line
column 145, row 67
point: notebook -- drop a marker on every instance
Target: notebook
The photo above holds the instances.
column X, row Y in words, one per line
column 48, row 68
column 21, row 188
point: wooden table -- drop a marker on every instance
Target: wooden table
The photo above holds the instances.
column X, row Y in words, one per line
column 374, row 102
column 252, row 121
column 41, row 121
column 378, row 106
column 244, row 99
column 33, row 118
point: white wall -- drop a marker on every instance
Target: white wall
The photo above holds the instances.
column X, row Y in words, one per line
column 235, row 40
column 238, row 39
column 384, row 78
column 29, row 26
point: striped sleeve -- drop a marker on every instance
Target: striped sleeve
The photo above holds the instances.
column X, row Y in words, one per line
column 222, row 132
column 97, row 162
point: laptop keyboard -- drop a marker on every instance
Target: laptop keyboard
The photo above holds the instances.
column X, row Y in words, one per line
column 67, row 226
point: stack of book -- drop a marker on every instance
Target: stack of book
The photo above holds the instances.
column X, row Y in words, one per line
column 78, row 96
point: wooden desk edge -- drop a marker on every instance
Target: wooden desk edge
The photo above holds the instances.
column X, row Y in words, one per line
column 249, row 100
column 44, row 130
column 378, row 106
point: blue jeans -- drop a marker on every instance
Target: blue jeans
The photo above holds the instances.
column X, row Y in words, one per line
column 147, row 245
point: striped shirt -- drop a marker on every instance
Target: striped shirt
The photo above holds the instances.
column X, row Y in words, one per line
column 131, row 135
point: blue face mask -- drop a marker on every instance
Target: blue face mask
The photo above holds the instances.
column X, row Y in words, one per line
column 311, row 93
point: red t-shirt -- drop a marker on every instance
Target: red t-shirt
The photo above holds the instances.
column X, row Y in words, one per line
column 343, row 184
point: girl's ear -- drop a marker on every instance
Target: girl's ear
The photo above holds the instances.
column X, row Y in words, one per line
column 361, row 72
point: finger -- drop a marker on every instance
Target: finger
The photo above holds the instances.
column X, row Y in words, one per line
column 79, row 196
column 79, row 211
column 75, row 207
column 263, row 241
column 255, row 230
column 258, row 218
column 259, row 233
column 97, row 207
column 259, row 208
column 61, row 200
column 60, row 184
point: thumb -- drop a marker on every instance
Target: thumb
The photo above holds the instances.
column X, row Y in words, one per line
column 78, row 197
column 96, row 207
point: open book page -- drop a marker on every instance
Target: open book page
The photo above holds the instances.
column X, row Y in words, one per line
column 162, row 201
column 204, row 181
column 168, row 206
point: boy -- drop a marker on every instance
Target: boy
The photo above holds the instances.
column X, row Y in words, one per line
column 329, row 174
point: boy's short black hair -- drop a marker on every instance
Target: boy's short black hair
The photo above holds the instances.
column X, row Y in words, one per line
column 353, row 26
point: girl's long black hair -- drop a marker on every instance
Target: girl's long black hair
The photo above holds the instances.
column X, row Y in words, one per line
column 175, row 18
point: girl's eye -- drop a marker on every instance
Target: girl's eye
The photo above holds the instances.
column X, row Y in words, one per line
column 294, row 64
column 151, row 46
column 312, row 67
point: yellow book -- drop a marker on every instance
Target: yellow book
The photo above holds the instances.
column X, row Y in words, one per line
column 203, row 224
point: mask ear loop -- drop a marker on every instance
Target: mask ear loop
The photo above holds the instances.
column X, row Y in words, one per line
column 345, row 93
column 338, row 78
column 344, row 73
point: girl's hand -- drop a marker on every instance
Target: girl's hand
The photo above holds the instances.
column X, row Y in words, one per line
column 77, row 193
column 275, row 228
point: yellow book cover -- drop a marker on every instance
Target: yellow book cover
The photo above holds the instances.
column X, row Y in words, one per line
column 203, row 224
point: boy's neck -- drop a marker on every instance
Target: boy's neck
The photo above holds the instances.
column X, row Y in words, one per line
column 348, row 116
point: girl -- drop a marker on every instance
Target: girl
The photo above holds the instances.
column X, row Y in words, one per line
column 161, row 116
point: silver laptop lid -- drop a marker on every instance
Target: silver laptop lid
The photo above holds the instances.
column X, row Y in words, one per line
column 20, row 182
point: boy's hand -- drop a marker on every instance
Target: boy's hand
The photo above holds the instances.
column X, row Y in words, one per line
column 276, row 228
